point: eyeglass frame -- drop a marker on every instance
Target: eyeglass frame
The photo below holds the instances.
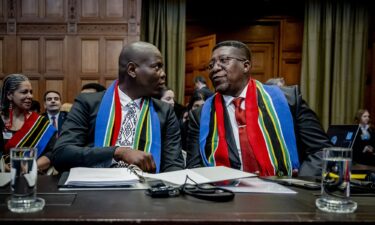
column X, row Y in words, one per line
column 226, row 59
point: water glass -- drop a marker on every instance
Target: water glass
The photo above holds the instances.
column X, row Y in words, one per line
column 335, row 195
column 24, row 173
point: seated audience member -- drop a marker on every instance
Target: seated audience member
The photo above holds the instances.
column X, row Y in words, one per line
column 124, row 124
column 201, row 85
column 255, row 128
column 196, row 101
column 35, row 106
column 279, row 81
column 22, row 127
column 52, row 104
column 92, row 88
column 66, row 107
column 167, row 95
column 364, row 144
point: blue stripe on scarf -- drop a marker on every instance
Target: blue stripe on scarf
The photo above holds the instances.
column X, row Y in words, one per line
column 49, row 132
column 156, row 140
column 205, row 128
column 102, row 119
column 286, row 121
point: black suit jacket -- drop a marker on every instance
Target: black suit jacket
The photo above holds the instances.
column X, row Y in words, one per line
column 60, row 120
column 75, row 146
column 309, row 135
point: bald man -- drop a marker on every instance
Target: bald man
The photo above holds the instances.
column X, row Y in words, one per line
column 124, row 124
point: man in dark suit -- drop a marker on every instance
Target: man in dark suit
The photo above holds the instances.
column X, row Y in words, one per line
column 257, row 128
column 52, row 104
column 201, row 87
column 124, row 124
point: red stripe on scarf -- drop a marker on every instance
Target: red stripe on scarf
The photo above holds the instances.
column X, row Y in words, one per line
column 221, row 154
column 118, row 115
column 17, row 137
column 254, row 132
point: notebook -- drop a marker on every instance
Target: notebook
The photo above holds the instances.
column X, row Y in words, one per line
column 343, row 135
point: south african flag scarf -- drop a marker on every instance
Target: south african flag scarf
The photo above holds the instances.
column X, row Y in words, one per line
column 35, row 132
column 269, row 127
column 108, row 122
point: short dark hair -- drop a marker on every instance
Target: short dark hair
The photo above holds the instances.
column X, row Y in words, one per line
column 200, row 79
column 235, row 44
column 51, row 91
column 96, row 86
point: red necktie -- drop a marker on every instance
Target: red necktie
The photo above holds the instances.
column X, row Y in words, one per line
column 248, row 159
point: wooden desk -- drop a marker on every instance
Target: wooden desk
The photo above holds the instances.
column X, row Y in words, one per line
column 133, row 207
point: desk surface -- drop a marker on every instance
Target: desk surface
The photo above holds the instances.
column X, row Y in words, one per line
column 129, row 207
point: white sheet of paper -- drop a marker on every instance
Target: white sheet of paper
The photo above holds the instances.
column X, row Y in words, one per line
column 200, row 175
column 100, row 177
column 256, row 185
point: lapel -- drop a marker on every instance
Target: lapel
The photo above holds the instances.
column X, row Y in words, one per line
column 234, row 158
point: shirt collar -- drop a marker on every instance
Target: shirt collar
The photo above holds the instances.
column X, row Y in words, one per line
column 228, row 98
column 56, row 115
column 125, row 99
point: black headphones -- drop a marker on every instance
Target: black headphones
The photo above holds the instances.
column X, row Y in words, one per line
column 210, row 193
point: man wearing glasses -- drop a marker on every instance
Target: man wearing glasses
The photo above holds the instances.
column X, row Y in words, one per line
column 124, row 124
column 250, row 126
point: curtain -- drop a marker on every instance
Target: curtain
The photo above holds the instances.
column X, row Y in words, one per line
column 334, row 57
column 163, row 24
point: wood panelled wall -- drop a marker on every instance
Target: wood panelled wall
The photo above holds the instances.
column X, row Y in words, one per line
column 63, row 44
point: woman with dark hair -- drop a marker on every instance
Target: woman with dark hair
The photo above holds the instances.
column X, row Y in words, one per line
column 195, row 102
column 23, row 127
column 363, row 149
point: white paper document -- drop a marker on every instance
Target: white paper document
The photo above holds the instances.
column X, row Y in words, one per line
column 256, row 185
column 200, row 175
column 100, row 177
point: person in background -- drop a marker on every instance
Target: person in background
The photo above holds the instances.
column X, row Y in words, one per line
column 124, row 124
column 22, row 127
column 196, row 101
column 35, row 106
column 260, row 129
column 279, row 81
column 201, row 85
column 167, row 95
column 92, row 88
column 364, row 144
column 52, row 105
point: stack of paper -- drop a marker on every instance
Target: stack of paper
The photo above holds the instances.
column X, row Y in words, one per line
column 200, row 175
column 101, row 177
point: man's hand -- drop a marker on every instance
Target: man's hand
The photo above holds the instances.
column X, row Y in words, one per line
column 43, row 163
column 141, row 159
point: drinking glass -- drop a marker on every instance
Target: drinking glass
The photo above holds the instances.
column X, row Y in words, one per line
column 335, row 194
column 24, row 173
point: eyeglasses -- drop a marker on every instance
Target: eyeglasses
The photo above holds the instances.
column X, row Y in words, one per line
column 223, row 61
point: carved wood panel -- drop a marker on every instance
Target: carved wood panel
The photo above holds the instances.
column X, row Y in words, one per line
column 198, row 54
column 262, row 61
column 63, row 44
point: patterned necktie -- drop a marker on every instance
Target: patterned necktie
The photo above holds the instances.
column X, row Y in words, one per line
column 127, row 131
column 249, row 163
column 54, row 121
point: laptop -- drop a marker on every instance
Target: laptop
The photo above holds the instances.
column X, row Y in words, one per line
column 343, row 135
